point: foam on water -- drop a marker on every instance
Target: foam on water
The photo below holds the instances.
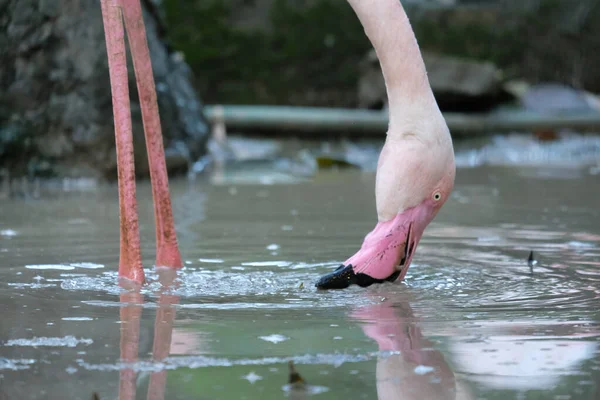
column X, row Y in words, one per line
column 211, row 260
column 59, row 267
column 521, row 150
column 17, row 285
column 306, row 389
column 15, row 364
column 8, row 232
column 274, row 338
column 66, row 341
column 196, row 283
column 194, row 362
column 65, row 267
column 423, row 369
column 486, row 280
column 267, row 264
column 252, row 377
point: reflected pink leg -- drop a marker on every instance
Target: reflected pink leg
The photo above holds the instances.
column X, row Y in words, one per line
column 130, row 262
column 167, row 251
column 130, row 339
column 163, row 331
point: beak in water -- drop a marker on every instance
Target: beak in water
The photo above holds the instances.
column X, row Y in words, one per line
column 385, row 254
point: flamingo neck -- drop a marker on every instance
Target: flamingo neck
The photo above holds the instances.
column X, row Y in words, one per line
column 388, row 28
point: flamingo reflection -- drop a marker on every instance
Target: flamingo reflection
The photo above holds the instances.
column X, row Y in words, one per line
column 414, row 369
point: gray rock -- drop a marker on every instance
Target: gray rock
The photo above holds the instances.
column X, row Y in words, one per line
column 55, row 102
column 456, row 82
column 552, row 98
column 371, row 86
column 449, row 74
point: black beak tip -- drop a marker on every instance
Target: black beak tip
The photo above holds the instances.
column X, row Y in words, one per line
column 341, row 278
column 345, row 276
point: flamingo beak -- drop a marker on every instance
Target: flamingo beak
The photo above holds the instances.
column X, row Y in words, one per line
column 385, row 254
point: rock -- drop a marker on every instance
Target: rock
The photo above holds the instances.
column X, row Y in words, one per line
column 55, row 102
column 458, row 84
column 461, row 84
column 371, row 86
column 460, row 76
column 552, row 98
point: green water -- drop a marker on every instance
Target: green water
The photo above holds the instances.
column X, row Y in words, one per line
column 469, row 322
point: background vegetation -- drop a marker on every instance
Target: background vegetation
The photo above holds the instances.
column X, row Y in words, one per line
column 309, row 52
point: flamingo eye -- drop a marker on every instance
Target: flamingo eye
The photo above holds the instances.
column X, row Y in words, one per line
column 437, row 196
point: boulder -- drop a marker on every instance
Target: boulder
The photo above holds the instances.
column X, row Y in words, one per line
column 55, row 101
column 449, row 74
column 458, row 84
column 371, row 86
column 555, row 98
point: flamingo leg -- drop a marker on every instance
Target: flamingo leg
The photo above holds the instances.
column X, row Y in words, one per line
column 130, row 262
column 167, row 250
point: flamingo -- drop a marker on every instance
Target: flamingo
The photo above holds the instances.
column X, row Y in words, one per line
column 416, row 169
column 415, row 172
column 167, row 250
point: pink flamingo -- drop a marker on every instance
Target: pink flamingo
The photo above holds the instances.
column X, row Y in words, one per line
column 416, row 169
column 415, row 173
column 167, row 251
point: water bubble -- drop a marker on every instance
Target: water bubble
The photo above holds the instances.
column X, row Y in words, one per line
column 252, row 377
column 423, row 369
column 275, row 338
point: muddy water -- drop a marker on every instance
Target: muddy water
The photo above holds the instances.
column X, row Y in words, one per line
column 471, row 321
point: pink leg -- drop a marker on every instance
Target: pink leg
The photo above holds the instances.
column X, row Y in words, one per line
column 167, row 251
column 130, row 262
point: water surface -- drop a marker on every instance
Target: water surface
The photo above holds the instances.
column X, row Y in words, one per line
column 470, row 321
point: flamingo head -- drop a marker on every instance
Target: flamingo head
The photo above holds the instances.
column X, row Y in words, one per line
column 415, row 176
